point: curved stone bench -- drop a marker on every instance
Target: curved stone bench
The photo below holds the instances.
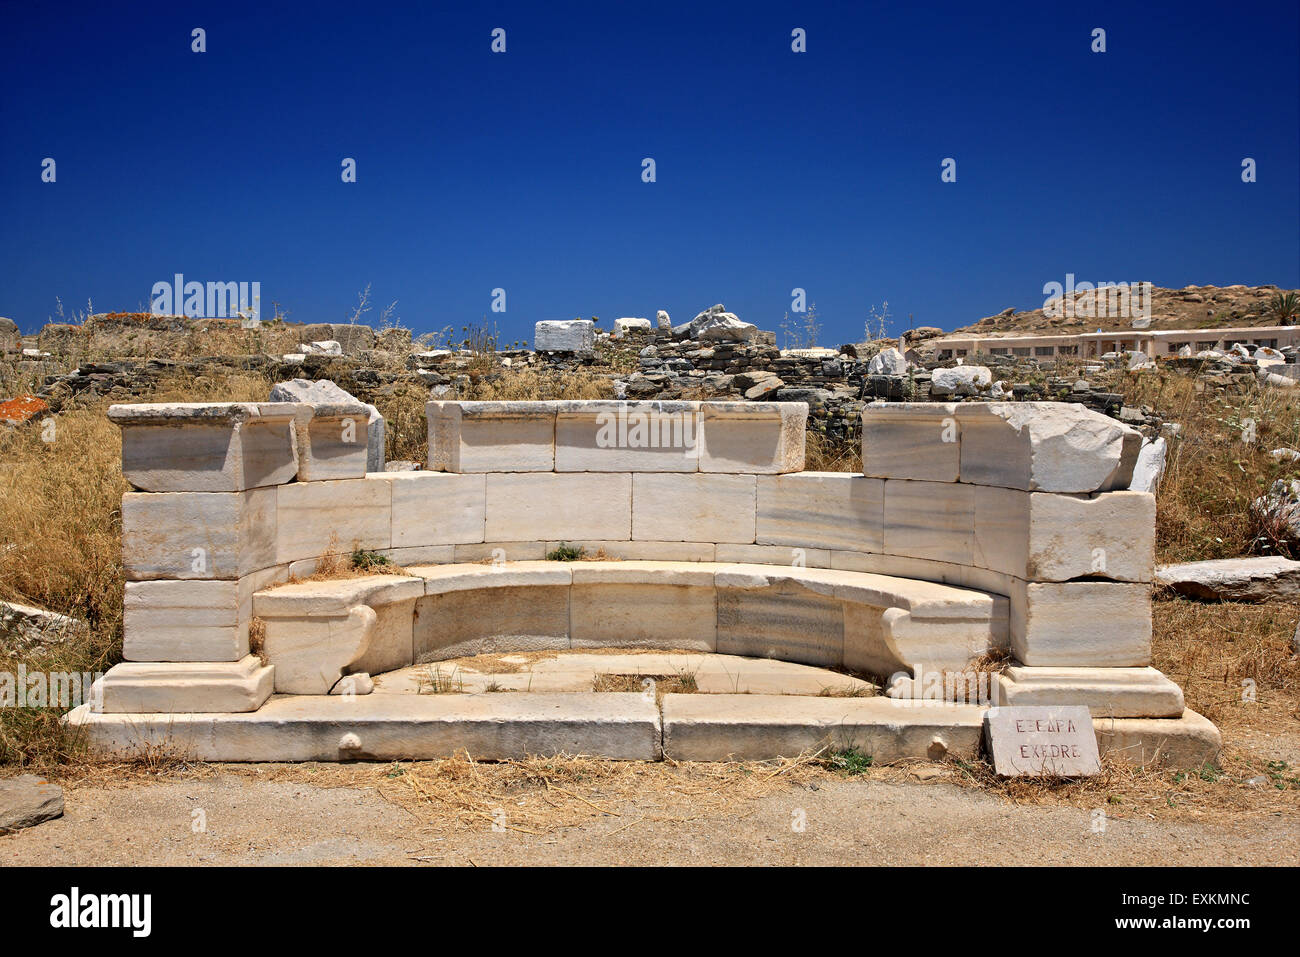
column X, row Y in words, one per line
column 970, row 527
column 316, row 632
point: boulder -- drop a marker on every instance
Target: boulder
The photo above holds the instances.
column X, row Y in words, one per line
column 1285, row 455
column 887, row 362
column 961, row 380
column 22, row 409
column 325, row 347
column 715, row 324
column 1267, row 357
column 1150, row 465
column 28, row 800
column 325, row 392
column 23, row 627
column 1185, row 352
column 921, row 333
column 1234, row 579
column 59, row 337
column 757, row 385
column 663, row 322
column 565, row 335
column 11, row 339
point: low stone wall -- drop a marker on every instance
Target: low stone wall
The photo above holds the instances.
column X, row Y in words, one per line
column 1023, row 503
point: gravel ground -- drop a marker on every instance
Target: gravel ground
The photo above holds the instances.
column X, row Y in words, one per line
column 847, row 821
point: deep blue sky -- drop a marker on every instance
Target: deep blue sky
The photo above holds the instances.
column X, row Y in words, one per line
column 523, row 170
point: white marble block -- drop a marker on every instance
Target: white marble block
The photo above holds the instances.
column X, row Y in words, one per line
column 350, row 513
column 333, row 442
column 186, row 687
column 207, row 446
column 437, row 508
column 643, row 615
column 1045, row 447
column 1106, row 692
column 780, row 618
column 828, row 510
column 197, row 535
column 491, row 436
column 564, row 335
column 911, row 440
column 1081, row 624
column 552, row 507
column 1041, row 536
column 693, row 508
column 453, row 624
column 932, row 520
column 190, row 620
column 608, row 436
column 752, row 437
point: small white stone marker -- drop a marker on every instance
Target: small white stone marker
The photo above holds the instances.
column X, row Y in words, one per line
column 1042, row 741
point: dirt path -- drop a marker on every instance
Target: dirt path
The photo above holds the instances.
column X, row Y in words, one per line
column 846, row 820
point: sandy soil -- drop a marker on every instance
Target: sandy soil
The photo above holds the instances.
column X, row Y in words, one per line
column 845, row 820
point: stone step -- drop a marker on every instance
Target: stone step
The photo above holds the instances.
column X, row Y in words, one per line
column 744, row 727
column 616, row 725
column 390, row 727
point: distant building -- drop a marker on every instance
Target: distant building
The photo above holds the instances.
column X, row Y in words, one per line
column 1154, row 342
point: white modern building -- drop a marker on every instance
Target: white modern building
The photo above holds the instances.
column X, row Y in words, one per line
column 1154, row 342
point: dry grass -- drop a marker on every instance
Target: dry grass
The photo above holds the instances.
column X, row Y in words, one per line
column 1218, row 465
column 543, row 795
column 681, row 683
column 823, row 455
column 1219, row 653
column 335, row 564
column 533, row 384
column 61, row 545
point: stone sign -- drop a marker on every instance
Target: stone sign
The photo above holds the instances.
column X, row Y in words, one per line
column 1042, row 741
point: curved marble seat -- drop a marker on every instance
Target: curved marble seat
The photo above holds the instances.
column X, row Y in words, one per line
column 316, row 632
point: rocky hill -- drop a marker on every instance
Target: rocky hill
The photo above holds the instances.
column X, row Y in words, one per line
column 1192, row 307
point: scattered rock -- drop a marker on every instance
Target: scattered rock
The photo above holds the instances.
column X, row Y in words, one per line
column 757, row 386
column 1150, row 465
column 961, row 380
column 715, row 324
column 1233, row 579
column 326, row 347
column 403, row 465
column 663, row 322
column 354, row 684
column 921, row 333
column 28, row 800
column 626, row 325
column 23, row 627
column 1280, row 506
column 888, row 362
column 22, row 409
